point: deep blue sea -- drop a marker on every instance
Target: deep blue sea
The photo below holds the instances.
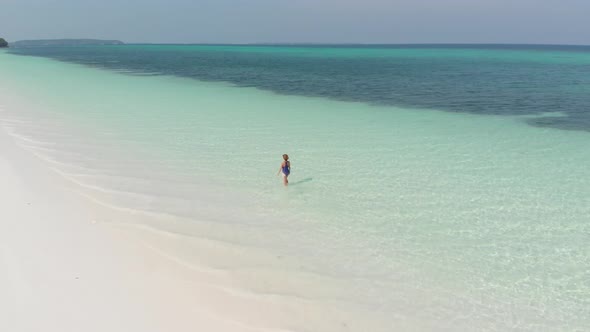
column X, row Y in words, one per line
column 479, row 79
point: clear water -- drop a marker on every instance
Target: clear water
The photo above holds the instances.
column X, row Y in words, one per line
column 401, row 214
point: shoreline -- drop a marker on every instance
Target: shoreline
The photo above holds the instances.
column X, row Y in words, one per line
column 68, row 262
column 64, row 270
column 246, row 287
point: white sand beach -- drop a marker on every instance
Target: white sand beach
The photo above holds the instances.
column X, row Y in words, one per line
column 69, row 264
column 63, row 269
column 145, row 250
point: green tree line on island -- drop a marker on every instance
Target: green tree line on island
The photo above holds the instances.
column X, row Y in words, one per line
column 3, row 43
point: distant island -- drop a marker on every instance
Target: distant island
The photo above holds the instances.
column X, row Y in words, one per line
column 3, row 43
column 64, row 42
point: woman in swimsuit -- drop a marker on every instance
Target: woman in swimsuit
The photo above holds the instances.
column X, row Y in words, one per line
column 285, row 169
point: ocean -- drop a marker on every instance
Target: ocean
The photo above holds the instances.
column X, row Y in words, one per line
column 433, row 187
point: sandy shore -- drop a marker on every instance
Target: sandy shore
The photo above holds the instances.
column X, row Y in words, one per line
column 63, row 269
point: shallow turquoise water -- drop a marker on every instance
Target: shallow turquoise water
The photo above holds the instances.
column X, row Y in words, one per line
column 432, row 220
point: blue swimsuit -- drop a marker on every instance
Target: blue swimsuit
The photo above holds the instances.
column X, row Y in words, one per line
column 286, row 168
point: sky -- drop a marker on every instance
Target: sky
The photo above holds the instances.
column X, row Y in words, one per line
column 300, row 21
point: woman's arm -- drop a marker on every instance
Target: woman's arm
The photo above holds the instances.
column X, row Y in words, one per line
column 280, row 168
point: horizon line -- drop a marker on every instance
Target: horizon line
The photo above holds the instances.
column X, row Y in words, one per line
column 347, row 43
column 318, row 43
column 307, row 43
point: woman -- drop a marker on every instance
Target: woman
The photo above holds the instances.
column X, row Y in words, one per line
column 285, row 169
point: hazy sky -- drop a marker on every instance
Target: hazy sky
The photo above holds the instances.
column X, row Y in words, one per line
column 335, row 21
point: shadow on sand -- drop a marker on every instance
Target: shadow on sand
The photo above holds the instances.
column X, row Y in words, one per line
column 300, row 182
